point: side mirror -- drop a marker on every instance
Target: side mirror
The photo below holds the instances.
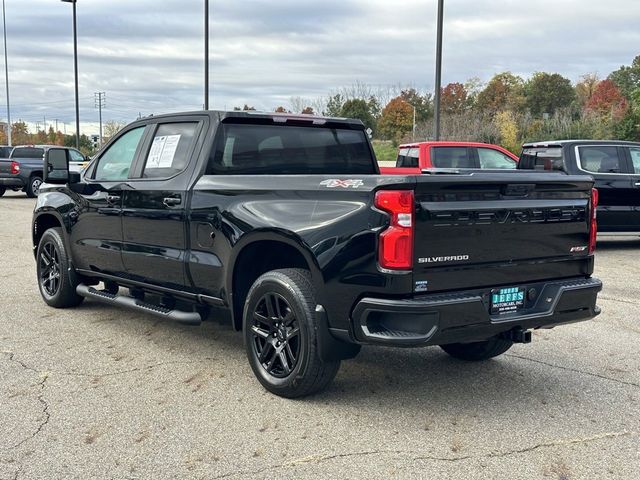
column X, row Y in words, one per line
column 56, row 166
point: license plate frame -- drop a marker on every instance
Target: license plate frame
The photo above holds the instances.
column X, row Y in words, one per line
column 507, row 300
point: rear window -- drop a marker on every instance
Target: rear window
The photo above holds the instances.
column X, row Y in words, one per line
column 27, row 152
column 271, row 149
column 541, row 158
column 452, row 157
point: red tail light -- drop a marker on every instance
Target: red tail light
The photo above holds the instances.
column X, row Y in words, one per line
column 395, row 249
column 593, row 231
column 15, row 168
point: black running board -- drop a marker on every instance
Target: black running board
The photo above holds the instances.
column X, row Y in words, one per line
column 188, row 318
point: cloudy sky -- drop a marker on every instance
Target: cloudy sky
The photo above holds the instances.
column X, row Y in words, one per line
column 147, row 54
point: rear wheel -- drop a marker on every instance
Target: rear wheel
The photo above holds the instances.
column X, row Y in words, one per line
column 56, row 280
column 33, row 187
column 478, row 350
column 281, row 337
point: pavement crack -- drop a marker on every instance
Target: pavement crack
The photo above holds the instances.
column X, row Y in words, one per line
column 620, row 300
column 46, row 416
column 562, row 367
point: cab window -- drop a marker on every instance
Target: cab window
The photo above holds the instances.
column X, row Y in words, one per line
column 168, row 154
column 115, row 163
column 635, row 159
column 451, row 157
column 600, row 159
column 490, row 158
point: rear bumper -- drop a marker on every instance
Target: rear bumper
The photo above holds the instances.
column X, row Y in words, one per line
column 11, row 182
column 439, row 319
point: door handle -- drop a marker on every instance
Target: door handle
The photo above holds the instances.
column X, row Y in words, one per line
column 113, row 199
column 171, row 201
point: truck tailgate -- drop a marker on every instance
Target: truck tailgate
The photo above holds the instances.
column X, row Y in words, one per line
column 483, row 229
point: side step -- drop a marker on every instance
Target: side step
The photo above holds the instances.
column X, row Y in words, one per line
column 188, row 318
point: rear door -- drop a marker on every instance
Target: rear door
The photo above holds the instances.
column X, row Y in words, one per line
column 155, row 206
column 609, row 168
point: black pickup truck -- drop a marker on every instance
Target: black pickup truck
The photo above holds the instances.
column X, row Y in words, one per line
column 286, row 222
column 613, row 164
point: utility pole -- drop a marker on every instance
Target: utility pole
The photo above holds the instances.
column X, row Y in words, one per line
column 6, row 73
column 45, row 123
column 56, row 120
column 206, row 54
column 436, row 102
column 100, row 98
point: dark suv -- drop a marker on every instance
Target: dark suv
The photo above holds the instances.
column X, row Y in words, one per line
column 615, row 166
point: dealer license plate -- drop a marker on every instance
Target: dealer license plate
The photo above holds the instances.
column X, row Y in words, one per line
column 507, row 300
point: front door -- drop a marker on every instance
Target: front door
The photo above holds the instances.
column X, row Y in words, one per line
column 633, row 155
column 155, row 207
column 97, row 232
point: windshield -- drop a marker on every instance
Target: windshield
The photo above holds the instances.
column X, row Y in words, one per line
column 286, row 150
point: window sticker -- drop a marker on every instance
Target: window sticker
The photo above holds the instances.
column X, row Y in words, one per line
column 163, row 150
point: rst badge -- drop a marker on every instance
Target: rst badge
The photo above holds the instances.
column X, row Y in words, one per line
column 336, row 182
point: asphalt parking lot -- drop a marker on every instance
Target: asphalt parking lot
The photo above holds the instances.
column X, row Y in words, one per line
column 98, row 392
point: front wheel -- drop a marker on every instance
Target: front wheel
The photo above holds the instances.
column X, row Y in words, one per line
column 33, row 187
column 56, row 280
column 478, row 351
column 280, row 335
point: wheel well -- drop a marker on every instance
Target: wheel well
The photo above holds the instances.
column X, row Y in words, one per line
column 41, row 225
column 36, row 173
column 253, row 261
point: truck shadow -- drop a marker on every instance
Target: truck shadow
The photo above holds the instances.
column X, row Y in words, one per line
column 611, row 243
column 395, row 381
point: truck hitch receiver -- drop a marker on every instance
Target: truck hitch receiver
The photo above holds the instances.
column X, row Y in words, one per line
column 517, row 335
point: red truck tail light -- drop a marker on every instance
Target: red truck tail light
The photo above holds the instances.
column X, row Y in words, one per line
column 15, row 168
column 593, row 231
column 395, row 250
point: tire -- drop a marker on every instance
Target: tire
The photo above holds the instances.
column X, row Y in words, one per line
column 33, row 187
column 2, row 191
column 56, row 280
column 280, row 335
column 478, row 351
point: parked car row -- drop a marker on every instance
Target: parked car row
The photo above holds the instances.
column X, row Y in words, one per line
column 21, row 167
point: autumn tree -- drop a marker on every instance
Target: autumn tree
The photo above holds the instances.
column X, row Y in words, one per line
column 360, row 109
column 607, row 100
column 548, row 92
column 20, row 133
column 281, row 109
column 422, row 103
column 396, row 120
column 111, row 128
column 585, row 88
column 308, row 111
column 453, row 98
column 505, row 91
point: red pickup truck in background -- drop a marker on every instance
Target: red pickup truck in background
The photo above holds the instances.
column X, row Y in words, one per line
column 415, row 157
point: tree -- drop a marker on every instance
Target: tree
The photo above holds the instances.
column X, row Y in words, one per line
column 505, row 91
column 20, row 133
column 422, row 103
column 360, row 109
column 453, row 98
column 334, row 106
column 607, row 100
column 281, row 109
column 111, row 128
column 473, row 86
column 585, row 88
column 506, row 123
column 627, row 79
column 308, row 111
column 547, row 92
column 396, row 120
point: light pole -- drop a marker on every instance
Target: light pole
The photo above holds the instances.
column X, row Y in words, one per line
column 6, row 73
column 75, row 69
column 206, row 54
column 436, row 102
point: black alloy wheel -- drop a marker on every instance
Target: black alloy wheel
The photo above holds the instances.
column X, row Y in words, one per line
column 276, row 335
column 49, row 271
